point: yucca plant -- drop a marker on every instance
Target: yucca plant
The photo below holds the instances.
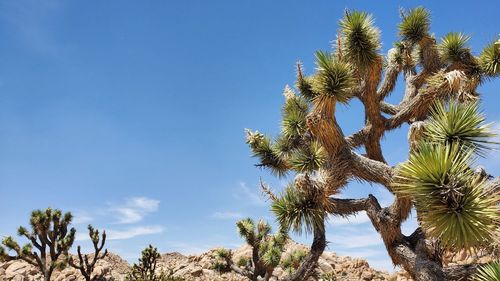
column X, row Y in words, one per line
column 50, row 239
column 453, row 47
column 334, row 78
column 456, row 206
column 462, row 124
column 488, row 272
column 457, row 203
column 415, row 24
column 490, row 59
column 359, row 39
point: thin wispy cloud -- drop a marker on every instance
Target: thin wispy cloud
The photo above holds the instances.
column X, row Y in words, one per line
column 82, row 218
column 134, row 209
column 227, row 215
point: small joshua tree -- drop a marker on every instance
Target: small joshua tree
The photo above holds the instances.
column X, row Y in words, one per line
column 457, row 203
column 85, row 264
column 266, row 249
column 49, row 235
column 145, row 270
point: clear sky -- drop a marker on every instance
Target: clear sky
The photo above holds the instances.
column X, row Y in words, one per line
column 130, row 114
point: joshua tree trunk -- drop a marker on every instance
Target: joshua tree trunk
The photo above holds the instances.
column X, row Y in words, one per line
column 308, row 266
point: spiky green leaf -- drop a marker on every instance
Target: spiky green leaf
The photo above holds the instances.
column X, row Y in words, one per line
column 489, row 59
column 360, row 40
column 296, row 211
column 309, row 158
column 459, row 123
column 454, row 48
column 415, row 24
column 455, row 205
column 334, row 78
column 488, row 272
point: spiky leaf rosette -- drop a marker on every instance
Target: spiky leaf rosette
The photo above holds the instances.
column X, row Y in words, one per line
column 246, row 229
column 271, row 249
column 304, row 84
column 488, row 272
column 359, row 39
column 294, row 114
column 262, row 148
column 454, row 48
column 459, row 123
column 333, row 79
column 415, row 25
column 489, row 59
column 455, row 205
column 298, row 210
column 309, row 158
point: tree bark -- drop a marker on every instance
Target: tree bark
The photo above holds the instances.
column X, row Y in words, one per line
column 311, row 260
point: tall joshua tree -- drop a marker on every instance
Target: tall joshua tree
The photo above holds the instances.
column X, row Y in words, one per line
column 49, row 235
column 457, row 204
column 266, row 249
column 85, row 264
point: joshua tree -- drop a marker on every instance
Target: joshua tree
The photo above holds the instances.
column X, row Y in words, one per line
column 145, row 270
column 49, row 235
column 457, row 204
column 266, row 250
column 86, row 265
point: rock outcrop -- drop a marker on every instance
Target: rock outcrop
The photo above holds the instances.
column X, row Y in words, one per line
column 199, row 268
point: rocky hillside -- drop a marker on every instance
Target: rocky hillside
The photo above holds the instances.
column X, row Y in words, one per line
column 199, row 268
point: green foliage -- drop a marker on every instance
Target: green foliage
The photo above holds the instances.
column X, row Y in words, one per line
column 359, row 39
column 259, row 236
column 243, row 262
column 49, row 240
column 222, row 260
column 294, row 113
column 262, row 148
column 455, row 205
column 454, row 48
column 461, row 124
column 304, row 85
column 145, row 269
column 293, row 260
column 414, row 25
column 328, row 276
column 297, row 210
column 309, row 158
column 334, row 78
column 488, row 272
column 489, row 59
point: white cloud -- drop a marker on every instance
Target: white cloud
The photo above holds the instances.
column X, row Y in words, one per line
column 134, row 209
column 125, row 233
column 82, row 218
column 226, row 215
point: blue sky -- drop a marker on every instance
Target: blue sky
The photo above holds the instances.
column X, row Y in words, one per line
column 130, row 114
